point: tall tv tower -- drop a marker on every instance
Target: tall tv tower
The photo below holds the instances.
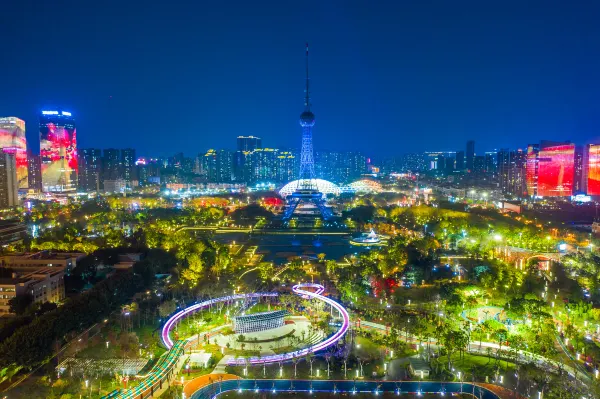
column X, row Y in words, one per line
column 307, row 190
column 307, row 121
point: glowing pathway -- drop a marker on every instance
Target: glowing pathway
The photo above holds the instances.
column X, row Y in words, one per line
column 297, row 289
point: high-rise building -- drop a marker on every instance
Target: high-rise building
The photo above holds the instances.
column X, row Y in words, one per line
column 248, row 143
column 460, row 160
column 479, row 164
column 58, row 151
column 9, row 186
column 491, row 163
column 34, row 172
column 287, row 168
column 217, row 166
column 511, row 172
column 12, row 140
column 470, row 154
column 90, row 169
column 111, row 164
column 128, row 167
column 557, row 171
column 532, row 169
column 265, row 164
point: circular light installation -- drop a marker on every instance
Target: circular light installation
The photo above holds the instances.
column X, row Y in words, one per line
column 325, row 187
column 299, row 289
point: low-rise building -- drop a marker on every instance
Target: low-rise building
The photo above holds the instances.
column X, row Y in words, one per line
column 45, row 285
column 35, row 260
column 11, row 232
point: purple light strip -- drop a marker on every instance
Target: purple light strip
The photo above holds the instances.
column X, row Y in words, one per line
column 273, row 358
column 185, row 312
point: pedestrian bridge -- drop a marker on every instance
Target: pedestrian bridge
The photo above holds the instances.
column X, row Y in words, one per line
column 520, row 256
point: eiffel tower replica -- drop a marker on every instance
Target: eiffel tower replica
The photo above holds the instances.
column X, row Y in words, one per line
column 306, row 191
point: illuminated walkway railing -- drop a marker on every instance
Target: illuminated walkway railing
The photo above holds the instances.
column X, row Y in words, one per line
column 166, row 339
column 342, row 386
column 160, row 373
column 299, row 289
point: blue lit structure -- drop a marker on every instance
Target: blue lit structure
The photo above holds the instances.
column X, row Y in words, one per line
column 259, row 321
column 306, row 190
column 212, row 391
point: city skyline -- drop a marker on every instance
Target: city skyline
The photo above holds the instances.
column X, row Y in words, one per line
column 484, row 74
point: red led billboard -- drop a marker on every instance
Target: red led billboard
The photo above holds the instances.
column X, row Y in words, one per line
column 593, row 178
column 556, row 171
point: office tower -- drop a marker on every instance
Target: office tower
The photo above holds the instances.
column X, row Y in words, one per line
column 128, row 167
column 248, row 143
column 470, row 154
column 9, row 185
column 511, row 172
column 532, row 169
column 34, row 172
column 460, row 160
column 58, row 151
column 90, row 169
column 111, row 164
column 12, row 140
column 557, row 172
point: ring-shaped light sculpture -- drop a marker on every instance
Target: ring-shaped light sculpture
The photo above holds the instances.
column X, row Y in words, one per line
column 297, row 289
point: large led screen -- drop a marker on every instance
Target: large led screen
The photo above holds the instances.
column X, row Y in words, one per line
column 556, row 169
column 58, row 151
column 12, row 140
column 593, row 179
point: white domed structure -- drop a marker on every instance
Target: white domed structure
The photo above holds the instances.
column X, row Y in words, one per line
column 325, row 187
column 366, row 186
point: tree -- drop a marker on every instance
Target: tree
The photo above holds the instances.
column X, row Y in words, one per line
column 166, row 308
column 146, row 270
column 20, row 303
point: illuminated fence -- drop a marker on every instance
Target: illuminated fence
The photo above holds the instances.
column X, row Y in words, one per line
column 258, row 321
column 344, row 387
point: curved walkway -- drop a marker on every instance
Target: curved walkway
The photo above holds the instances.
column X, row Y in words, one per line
column 299, row 289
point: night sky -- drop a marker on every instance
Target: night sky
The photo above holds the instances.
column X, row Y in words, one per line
column 387, row 77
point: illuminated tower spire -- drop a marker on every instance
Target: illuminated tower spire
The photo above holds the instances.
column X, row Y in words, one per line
column 307, row 121
column 307, row 92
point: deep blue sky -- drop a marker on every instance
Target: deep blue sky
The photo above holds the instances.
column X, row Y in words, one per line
column 388, row 77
